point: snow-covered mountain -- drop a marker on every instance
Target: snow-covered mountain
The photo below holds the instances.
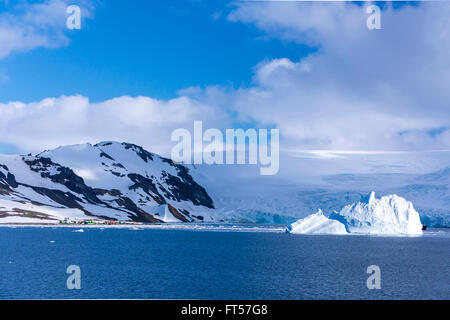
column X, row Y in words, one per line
column 122, row 181
column 109, row 180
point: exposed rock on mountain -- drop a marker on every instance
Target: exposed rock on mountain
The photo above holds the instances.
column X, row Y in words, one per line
column 109, row 180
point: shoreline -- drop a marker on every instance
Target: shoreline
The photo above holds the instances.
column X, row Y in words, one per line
column 217, row 227
column 160, row 226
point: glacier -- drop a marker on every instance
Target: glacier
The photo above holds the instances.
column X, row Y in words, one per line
column 124, row 182
column 242, row 197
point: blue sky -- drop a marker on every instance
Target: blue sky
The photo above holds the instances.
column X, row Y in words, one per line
column 313, row 70
column 151, row 48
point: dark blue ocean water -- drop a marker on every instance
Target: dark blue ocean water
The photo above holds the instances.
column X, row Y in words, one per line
column 155, row 263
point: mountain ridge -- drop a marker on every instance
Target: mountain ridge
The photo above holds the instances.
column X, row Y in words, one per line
column 108, row 180
column 124, row 182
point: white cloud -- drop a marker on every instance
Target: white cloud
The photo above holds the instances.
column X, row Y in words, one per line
column 362, row 89
column 33, row 25
column 52, row 122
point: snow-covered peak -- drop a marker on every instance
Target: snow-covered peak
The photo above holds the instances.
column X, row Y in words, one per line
column 105, row 143
column 109, row 180
column 108, row 161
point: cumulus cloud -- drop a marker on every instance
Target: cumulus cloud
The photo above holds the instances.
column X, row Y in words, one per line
column 360, row 90
column 35, row 25
column 74, row 119
column 366, row 89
